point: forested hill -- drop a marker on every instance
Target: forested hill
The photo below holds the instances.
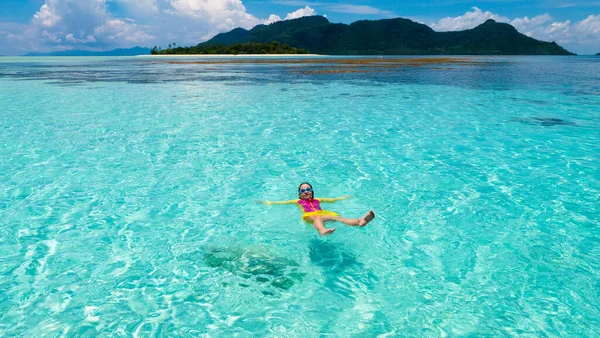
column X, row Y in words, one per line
column 390, row 37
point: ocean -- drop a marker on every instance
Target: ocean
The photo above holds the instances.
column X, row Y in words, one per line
column 130, row 190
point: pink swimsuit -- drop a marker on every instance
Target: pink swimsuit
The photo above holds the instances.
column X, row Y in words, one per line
column 310, row 206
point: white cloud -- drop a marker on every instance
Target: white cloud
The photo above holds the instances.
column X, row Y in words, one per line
column 466, row 21
column 272, row 18
column 46, row 16
column 203, row 19
column 356, row 9
column 72, row 39
column 297, row 3
column 88, row 24
column 64, row 24
column 306, row 11
column 140, row 7
column 62, row 14
column 557, row 27
column 589, row 27
column 527, row 26
column 11, row 27
column 12, row 38
column 580, row 37
column 566, row 5
column 122, row 32
column 206, row 18
column 217, row 12
column 582, row 33
column 53, row 37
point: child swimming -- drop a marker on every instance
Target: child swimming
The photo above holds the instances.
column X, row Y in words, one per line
column 314, row 214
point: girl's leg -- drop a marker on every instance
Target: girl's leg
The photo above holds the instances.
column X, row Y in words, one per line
column 368, row 217
column 320, row 226
column 348, row 221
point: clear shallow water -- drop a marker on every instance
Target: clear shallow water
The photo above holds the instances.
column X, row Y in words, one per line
column 128, row 191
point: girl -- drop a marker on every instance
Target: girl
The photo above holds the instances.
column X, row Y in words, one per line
column 314, row 214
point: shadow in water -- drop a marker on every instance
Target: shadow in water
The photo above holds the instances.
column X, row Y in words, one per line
column 349, row 285
column 256, row 265
column 543, row 121
column 332, row 256
column 343, row 272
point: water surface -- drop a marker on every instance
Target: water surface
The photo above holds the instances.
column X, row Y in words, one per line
column 128, row 191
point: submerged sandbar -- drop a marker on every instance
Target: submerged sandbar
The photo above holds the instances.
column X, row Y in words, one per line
column 331, row 65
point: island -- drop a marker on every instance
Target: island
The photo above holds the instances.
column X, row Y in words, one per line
column 315, row 34
column 273, row 47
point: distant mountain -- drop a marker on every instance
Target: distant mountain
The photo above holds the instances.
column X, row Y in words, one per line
column 598, row 54
column 116, row 52
column 390, row 37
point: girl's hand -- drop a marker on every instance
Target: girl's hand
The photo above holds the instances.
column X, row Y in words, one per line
column 346, row 196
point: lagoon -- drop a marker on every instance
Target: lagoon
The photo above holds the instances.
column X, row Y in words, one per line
column 128, row 190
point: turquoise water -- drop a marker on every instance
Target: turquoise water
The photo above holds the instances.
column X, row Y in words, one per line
column 128, row 191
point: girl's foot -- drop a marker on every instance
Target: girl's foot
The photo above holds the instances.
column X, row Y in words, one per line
column 326, row 232
column 366, row 218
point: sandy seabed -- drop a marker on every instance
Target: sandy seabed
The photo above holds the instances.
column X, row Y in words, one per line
column 326, row 64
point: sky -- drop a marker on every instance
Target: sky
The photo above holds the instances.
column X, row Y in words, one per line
column 52, row 25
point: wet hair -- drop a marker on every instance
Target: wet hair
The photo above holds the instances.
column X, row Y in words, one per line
column 303, row 183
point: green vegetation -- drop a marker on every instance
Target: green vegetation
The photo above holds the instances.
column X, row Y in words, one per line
column 390, row 37
column 273, row 47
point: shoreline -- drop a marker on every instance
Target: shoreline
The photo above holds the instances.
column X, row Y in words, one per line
column 233, row 55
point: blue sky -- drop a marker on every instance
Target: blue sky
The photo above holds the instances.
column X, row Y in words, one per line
column 49, row 25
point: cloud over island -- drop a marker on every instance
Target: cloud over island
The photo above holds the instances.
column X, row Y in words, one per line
column 109, row 24
column 76, row 24
column 584, row 34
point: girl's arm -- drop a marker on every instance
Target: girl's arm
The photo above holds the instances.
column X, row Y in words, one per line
column 282, row 202
column 331, row 200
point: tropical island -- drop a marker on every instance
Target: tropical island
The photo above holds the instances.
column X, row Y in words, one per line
column 273, row 47
column 315, row 34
